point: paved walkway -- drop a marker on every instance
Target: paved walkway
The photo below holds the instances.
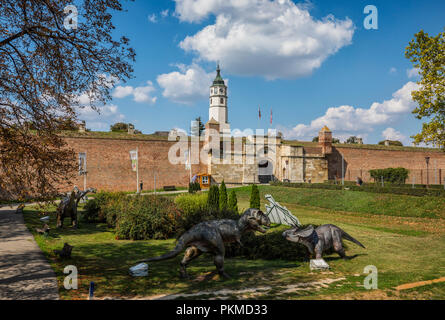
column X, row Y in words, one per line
column 24, row 271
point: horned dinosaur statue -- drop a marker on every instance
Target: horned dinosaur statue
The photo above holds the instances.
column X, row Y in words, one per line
column 210, row 237
column 321, row 239
column 68, row 206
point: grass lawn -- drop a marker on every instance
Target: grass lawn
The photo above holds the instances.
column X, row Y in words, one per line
column 404, row 237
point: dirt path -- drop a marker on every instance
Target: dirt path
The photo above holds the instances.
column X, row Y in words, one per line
column 24, row 271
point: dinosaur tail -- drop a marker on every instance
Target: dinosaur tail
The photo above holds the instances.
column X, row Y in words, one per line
column 182, row 243
column 348, row 237
column 177, row 250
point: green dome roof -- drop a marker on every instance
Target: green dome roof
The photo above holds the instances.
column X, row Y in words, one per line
column 218, row 80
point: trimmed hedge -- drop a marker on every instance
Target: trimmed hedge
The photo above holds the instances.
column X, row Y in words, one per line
column 392, row 175
column 367, row 188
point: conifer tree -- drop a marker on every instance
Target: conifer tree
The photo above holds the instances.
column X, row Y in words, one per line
column 255, row 197
column 233, row 202
column 222, row 196
column 213, row 199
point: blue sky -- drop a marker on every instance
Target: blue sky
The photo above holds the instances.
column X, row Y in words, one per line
column 280, row 55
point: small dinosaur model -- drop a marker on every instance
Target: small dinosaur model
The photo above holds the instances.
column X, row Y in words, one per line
column 321, row 239
column 210, row 237
column 65, row 253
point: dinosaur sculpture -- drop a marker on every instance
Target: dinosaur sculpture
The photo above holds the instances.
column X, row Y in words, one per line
column 321, row 239
column 210, row 237
column 68, row 206
column 279, row 214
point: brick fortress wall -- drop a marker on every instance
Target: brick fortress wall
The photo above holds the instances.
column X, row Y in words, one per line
column 109, row 165
column 358, row 161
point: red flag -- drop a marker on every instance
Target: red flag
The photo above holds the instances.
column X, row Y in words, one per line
column 259, row 112
column 270, row 116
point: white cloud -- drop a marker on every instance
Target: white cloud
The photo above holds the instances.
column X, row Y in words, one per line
column 152, row 18
column 164, row 13
column 347, row 120
column 393, row 134
column 273, row 39
column 140, row 94
column 392, row 70
column 412, row 73
column 186, row 86
column 107, row 115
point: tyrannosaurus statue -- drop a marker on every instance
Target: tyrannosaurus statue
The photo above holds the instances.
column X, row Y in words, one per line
column 321, row 239
column 210, row 237
column 68, row 206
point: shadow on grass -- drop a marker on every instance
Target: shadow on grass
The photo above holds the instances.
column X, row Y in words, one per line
column 107, row 264
column 347, row 257
column 32, row 219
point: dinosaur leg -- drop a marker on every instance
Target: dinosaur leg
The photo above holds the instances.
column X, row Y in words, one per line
column 74, row 218
column 190, row 254
column 337, row 244
column 219, row 263
column 59, row 221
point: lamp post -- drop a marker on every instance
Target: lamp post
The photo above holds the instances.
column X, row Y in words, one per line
column 427, row 160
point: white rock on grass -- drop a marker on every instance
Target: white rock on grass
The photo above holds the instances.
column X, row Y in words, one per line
column 140, row 270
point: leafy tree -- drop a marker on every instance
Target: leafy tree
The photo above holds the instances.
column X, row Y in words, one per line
column 213, row 199
column 255, row 197
column 316, row 139
column 46, row 65
column 352, row 140
column 427, row 53
column 233, row 202
column 119, row 127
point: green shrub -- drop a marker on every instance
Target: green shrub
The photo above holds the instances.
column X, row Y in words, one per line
column 222, row 196
column 268, row 246
column 97, row 209
column 194, row 209
column 147, row 217
column 255, row 197
column 194, row 187
column 213, row 199
column 190, row 203
column 233, row 202
column 392, row 175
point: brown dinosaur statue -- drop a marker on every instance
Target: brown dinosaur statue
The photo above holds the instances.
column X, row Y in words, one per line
column 68, row 206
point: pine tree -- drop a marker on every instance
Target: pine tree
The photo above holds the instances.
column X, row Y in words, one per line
column 222, row 196
column 213, row 199
column 255, row 197
column 233, row 202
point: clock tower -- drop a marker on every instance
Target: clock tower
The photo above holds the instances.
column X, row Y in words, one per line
column 218, row 102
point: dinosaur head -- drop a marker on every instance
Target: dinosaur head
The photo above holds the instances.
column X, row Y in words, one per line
column 254, row 219
column 299, row 235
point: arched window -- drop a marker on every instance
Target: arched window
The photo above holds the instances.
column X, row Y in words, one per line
column 222, row 100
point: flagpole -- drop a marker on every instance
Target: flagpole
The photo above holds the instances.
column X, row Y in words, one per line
column 190, row 163
column 137, row 170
